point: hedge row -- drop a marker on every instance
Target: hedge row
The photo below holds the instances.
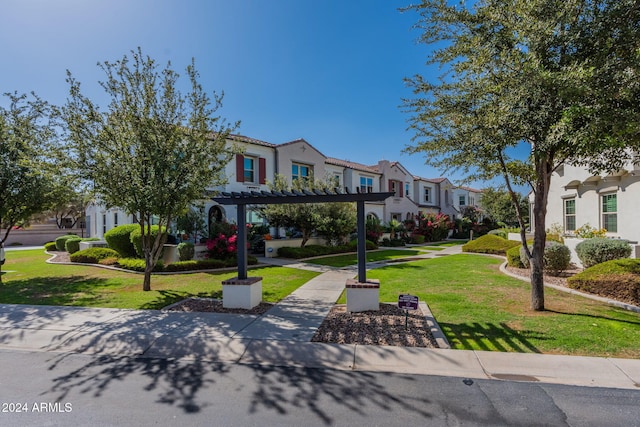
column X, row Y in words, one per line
column 317, row 250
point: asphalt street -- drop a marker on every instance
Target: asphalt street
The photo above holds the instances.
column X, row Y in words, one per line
column 55, row 389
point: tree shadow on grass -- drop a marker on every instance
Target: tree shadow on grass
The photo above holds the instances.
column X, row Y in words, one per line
column 492, row 337
column 67, row 290
column 593, row 316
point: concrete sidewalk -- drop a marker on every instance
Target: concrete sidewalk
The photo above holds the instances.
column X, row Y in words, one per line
column 281, row 337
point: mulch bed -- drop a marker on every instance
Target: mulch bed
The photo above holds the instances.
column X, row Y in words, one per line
column 383, row 327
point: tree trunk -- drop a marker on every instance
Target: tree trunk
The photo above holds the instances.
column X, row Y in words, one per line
column 146, row 284
column 536, row 260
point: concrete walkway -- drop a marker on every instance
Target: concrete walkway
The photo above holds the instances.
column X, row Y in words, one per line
column 281, row 337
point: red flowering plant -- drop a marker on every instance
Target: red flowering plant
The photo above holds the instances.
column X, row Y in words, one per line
column 433, row 227
column 223, row 241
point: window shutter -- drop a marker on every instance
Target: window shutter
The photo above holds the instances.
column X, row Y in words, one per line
column 239, row 168
column 262, row 170
column 390, row 185
column 401, row 188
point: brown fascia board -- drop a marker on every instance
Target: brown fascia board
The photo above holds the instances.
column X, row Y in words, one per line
column 351, row 165
column 431, row 180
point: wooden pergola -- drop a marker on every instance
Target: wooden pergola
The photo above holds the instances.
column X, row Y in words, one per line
column 244, row 198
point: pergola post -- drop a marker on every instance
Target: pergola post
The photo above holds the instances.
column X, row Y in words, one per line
column 362, row 243
column 242, row 241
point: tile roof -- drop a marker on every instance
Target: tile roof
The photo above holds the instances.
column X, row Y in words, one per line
column 299, row 140
column 351, row 165
column 242, row 138
column 434, row 180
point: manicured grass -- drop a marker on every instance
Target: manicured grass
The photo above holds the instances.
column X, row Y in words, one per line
column 29, row 280
column 480, row 308
column 352, row 259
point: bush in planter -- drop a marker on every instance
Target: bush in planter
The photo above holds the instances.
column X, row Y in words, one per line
column 370, row 246
column 618, row 279
column 60, row 241
column 72, row 245
column 557, row 258
column 93, row 255
column 50, row 246
column 186, row 251
column 137, row 264
column 119, row 239
column 597, row 250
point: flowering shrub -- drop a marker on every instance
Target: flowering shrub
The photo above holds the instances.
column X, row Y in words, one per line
column 589, row 232
column 374, row 229
column 223, row 241
column 433, row 227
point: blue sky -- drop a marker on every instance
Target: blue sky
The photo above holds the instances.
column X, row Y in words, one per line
column 328, row 71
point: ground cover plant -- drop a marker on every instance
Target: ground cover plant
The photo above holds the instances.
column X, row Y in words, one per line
column 617, row 279
column 489, row 244
column 352, row 259
column 480, row 308
column 29, row 280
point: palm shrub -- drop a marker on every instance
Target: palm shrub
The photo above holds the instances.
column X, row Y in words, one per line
column 597, row 250
column 119, row 239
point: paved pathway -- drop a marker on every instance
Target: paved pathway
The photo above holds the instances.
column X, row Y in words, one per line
column 281, row 337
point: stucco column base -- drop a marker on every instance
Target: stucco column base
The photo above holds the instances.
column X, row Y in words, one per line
column 363, row 296
column 242, row 293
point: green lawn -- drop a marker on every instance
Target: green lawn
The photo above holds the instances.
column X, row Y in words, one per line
column 29, row 280
column 373, row 256
column 428, row 248
column 480, row 308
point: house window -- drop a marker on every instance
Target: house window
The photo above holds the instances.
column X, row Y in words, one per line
column 406, row 189
column 115, row 219
column 336, row 179
column 570, row 215
column 104, row 223
column 395, row 187
column 249, row 169
column 462, row 200
column 396, row 216
column 610, row 212
column 300, row 171
column 366, row 184
column 427, row 194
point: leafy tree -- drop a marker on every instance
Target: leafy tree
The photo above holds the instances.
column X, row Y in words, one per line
column 192, row 222
column 70, row 200
column 498, row 205
column 334, row 221
column 25, row 174
column 153, row 151
column 558, row 76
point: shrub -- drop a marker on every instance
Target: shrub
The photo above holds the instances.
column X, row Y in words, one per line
column 317, row 250
column 136, row 239
column 489, row 244
column 417, row 239
column 50, row 246
column 72, row 245
column 108, row 261
column 597, row 250
column 499, row 232
column 374, row 229
column 617, row 279
column 186, row 251
column 119, row 239
column 137, row 264
column 513, row 257
column 557, row 258
column 60, row 241
column 370, row 246
column 93, row 255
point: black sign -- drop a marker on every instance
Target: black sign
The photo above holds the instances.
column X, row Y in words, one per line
column 407, row 302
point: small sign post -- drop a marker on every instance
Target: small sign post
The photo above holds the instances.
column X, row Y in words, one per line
column 407, row 302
